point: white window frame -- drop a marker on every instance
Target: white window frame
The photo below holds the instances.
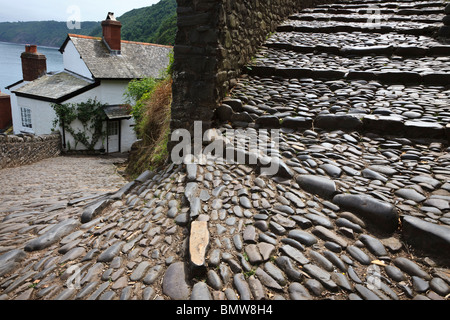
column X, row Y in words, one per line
column 26, row 121
column 113, row 128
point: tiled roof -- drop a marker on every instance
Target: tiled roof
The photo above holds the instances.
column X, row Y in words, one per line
column 115, row 112
column 55, row 87
column 137, row 59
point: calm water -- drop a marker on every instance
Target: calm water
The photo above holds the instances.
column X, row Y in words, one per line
column 11, row 65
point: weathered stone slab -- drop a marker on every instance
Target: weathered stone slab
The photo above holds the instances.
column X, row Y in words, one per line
column 317, row 185
column 145, row 176
column 123, row 191
column 94, row 210
column 109, row 254
column 382, row 215
column 337, row 121
column 53, row 235
column 427, row 236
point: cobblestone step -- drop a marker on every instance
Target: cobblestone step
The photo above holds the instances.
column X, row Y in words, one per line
column 433, row 16
column 412, row 28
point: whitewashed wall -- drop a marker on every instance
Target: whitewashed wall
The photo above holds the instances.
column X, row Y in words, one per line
column 42, row 114
column 73, row 62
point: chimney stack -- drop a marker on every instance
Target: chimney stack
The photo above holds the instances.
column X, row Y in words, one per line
column 34, row 64
column 5, row 111
column 111, row 33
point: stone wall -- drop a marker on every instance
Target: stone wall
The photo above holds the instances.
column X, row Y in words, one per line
column 18, row 150
column 215, row 39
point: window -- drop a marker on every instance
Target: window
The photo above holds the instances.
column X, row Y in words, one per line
column 113, row 128
column 26, row 118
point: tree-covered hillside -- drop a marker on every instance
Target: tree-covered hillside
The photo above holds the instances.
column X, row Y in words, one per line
column 155, row 24
column 42, row 33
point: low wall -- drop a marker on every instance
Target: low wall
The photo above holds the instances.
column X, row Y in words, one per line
column 215, row 39
column 21, row 150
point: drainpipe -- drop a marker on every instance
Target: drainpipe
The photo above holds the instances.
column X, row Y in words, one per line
column 63, row 134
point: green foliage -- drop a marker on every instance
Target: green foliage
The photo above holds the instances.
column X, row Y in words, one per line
column 137, row 93
column 166, row 32
column 155, row 24
column 169, row 69
column 153, row 130
column 91, row 116
column 140, row 91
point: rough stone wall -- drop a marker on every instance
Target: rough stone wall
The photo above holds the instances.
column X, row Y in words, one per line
column 215, row 39
column 17, row 151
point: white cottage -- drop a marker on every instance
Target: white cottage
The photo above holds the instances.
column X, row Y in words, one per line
column 94, row 68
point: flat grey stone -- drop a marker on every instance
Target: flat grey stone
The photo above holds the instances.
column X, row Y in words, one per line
column 321, row 275
column 329, row 235
column 411, row 268
column 298, row 292
column 109, row 254
column 267, row 280
column 303, row 237
column 140, row 270
column 253, row 254
column 242, row 287
column 317, row 185
column 374, row 245
column 285, row 263
column 200, row 291
column 359, row 255
column 294, row 254
column 395, row 273
column 439, row 286
column 342, row 281
column 175, row 282
column 366, row 293
column 410, row 194
column 256, row 288
column 15, row 255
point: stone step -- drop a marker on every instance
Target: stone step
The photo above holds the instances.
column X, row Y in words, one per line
column 413, row 28
column 385, row 3
column 394, row 69
column 430, row 18
column 358, row 43
column 375, row 107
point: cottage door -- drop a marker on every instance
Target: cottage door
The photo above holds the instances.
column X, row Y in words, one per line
column 113, row 136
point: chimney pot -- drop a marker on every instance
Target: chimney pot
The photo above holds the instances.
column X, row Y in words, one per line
column 31, row 48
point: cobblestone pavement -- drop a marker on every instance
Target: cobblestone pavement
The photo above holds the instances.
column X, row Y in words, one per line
column 359, row 208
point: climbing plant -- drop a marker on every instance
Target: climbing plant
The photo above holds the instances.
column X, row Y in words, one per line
column 91, row 116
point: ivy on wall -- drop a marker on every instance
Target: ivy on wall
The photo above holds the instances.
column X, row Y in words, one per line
column 91, row 116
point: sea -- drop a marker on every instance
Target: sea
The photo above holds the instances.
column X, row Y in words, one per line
column 11, row 64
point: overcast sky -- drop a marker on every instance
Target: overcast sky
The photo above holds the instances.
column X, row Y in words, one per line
column 63, row 10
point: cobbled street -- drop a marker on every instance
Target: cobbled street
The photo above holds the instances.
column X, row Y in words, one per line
column 359, row 208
